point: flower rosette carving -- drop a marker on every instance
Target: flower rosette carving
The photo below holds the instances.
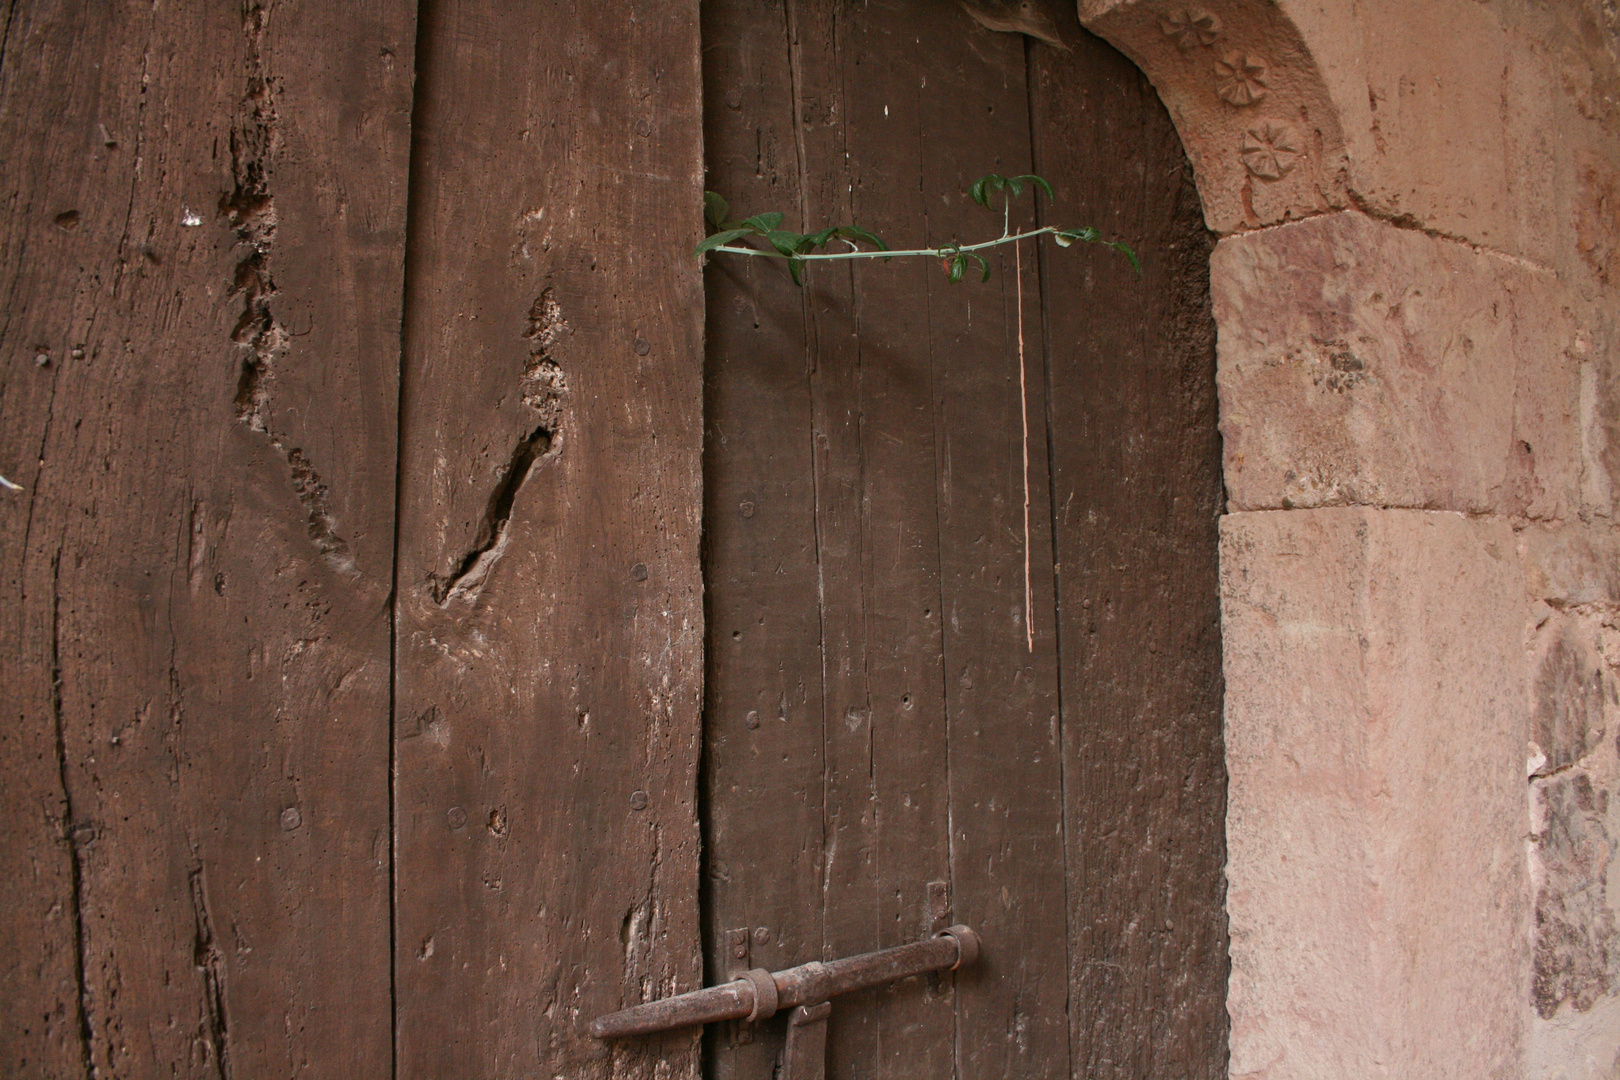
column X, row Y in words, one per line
column 1240, row 78
column 1270, row 150
column 1189, row 27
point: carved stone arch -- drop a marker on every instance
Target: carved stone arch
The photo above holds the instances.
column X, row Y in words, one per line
column 1247, row 98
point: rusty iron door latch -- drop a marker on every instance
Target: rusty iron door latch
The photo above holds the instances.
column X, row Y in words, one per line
column 806, row 989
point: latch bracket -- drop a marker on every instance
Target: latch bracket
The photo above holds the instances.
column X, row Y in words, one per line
column 755, row 994
column 805, row 1055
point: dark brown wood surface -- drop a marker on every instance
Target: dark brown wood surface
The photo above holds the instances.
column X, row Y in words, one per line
column 237, row 721
column 200, row 265
column 1137, row 487
column 550, row 622
column 883, row 749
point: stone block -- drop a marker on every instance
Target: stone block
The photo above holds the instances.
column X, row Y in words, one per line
column 1375, row 672
column 1575, row 1028
column 1600, row 413
column 1571, row 693
column 1574, row 1033
column 1571, row 848
column 1364, row 364
column 1456, row 117
column 1574, row 765
column 1436, row 85
column 1572, row 564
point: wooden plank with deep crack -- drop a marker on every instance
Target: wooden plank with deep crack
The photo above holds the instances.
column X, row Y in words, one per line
column 201, row 259
column 549, row 621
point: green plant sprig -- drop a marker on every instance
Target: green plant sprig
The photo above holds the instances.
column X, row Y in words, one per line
column 801, row 248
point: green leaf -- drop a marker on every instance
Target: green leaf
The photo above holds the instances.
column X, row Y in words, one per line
column 983, row 186
column 820, row 239
column 1125, row 250
column 958, row 267
column 795, row 267
column 1065, row 237
column 712, row 242
column 1038, row 182
column 788, row 243
column 1016, row 186
column 854, row 232
column 763, row 224
column 984, row 267
column 715, row 208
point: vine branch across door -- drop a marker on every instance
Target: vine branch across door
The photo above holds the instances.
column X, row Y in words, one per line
column 799, row 249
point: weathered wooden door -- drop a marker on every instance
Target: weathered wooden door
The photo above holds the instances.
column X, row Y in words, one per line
column 351, row 428
column 889, row 746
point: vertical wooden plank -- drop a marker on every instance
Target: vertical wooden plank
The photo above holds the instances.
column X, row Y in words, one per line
column 884, row 167
column 790, row 109
column 763, row 784
column 1137, row 490
column 1001, row 694
column 201, row 257
column 909, row 397
column 847, row 521
column 549, row 602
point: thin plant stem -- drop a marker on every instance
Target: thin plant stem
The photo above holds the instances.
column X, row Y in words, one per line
column 1023, row 410
column 936, row 253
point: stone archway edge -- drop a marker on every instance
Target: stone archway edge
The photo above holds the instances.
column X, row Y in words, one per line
column 1415, row 296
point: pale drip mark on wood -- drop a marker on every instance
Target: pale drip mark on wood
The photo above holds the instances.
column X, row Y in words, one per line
column 1023, row 412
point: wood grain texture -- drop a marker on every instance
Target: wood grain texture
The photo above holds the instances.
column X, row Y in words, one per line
column 871, row 423
column 1137, row 489
column 550, row 622
column 201, row 259
column 877, row 725
column 203, row 266
column 764, row 755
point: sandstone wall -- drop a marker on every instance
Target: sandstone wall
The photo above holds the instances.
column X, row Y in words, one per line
column 1418, row 294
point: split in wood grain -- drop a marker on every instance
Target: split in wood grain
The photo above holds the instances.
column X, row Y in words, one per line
column 490, row 545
